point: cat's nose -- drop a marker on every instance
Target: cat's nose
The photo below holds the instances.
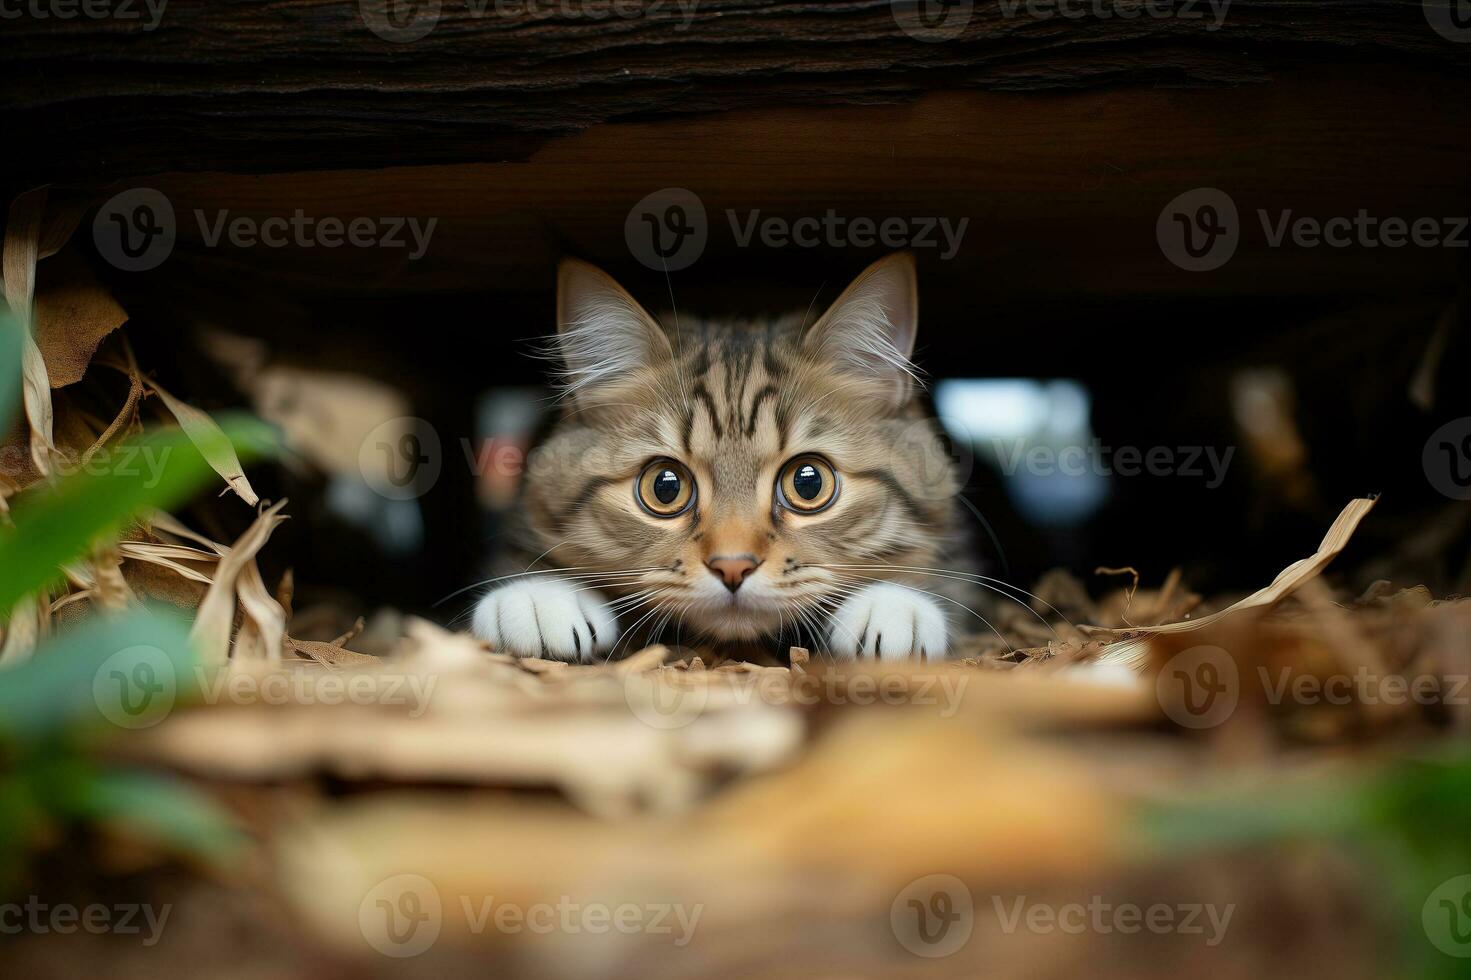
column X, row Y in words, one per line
column 732, row 569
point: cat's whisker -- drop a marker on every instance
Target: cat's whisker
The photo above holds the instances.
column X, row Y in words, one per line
column 532, row 563
column 631, row 602
column 664, row 623
column 826, row 604
column 838, row 625
column 984, row 581
column 500, row 578
column 658, row 630
column 566, row 573
column 805, row 616
column 936, row 595
column 811, row 614
column 658, row 604
column 617, row 584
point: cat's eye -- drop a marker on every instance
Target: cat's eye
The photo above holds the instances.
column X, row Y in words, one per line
column 807, row 484
column 665, row 488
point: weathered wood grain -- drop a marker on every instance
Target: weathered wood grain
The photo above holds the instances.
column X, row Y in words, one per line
column 304, row 84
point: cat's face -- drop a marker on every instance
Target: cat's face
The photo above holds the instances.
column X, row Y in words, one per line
column 736, row 477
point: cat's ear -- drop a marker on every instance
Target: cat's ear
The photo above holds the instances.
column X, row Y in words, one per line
column 603, row 334
column 869, row 330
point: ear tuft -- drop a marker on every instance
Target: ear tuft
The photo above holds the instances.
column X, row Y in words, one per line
column 869, row 330
column 603, row 334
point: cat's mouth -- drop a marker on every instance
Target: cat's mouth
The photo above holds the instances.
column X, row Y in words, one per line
column 736, row 616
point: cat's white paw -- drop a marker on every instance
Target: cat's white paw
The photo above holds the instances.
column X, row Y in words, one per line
column 544, row 616
column 888, row 622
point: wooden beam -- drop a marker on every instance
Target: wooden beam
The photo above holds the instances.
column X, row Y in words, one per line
column 1058, row 195
column 306, row 84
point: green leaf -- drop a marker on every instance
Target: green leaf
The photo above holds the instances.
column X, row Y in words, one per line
column 160, row 809
column 9, row 370
column 110, row 673
column 1405, row 819
column 126, row 671
column 59, row 524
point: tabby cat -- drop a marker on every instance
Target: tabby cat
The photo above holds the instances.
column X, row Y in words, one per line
column 734, row 483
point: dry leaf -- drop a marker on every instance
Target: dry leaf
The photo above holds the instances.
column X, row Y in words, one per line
column 211, row 441
column 21, row 253
column 73, row 313
column 24, row 629
column 330, row 654
column 1134, row 652
column 263, row 611
column 211, row 631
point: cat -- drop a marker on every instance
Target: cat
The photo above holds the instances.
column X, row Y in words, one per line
column 737, row 481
